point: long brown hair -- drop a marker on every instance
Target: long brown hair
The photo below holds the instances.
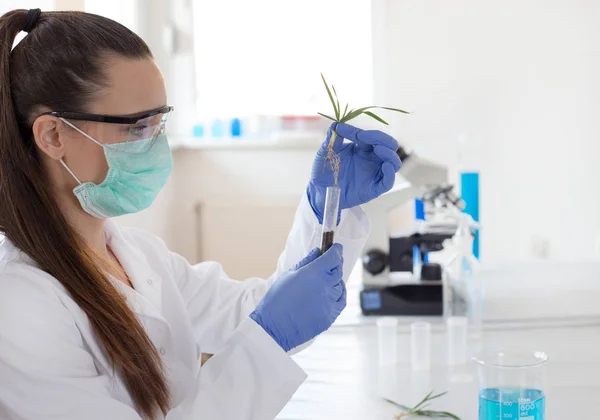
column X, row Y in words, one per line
column 58, row 66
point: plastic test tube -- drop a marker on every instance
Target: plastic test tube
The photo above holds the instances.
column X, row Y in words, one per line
column 420, row 345
column 388, row 340
column 330, row 217
column 457, row 332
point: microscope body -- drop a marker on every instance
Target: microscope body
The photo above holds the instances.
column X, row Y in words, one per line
column 385, row 254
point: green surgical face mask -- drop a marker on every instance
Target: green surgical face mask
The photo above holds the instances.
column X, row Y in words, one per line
column 137, row 171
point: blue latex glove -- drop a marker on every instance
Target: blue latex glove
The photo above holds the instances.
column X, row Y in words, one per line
column 305, row 301
column 368, row 166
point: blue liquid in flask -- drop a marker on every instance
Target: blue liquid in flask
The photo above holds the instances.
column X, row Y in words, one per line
column 511, row 404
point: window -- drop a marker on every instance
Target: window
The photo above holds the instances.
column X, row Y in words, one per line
column 265, row 56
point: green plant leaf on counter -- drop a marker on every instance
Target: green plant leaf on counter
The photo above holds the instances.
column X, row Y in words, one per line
column 419, row 409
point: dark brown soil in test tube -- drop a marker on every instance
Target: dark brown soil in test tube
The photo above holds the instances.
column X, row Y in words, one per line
column 327, row 241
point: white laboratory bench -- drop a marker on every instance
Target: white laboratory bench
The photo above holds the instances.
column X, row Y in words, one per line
column 556, row 310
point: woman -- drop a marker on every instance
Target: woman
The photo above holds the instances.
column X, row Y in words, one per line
column 103, row 322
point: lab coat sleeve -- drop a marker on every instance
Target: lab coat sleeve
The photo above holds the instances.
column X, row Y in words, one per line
column 46, row 373
column 251, row 378
column 352, row 233
column 217, row 304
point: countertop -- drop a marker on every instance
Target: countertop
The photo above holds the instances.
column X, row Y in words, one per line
column 550, row 312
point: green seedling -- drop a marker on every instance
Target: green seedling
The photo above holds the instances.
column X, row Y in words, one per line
column 345, row 116
column 421, row 409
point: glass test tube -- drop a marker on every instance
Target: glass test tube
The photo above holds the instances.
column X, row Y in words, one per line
column 330, row 217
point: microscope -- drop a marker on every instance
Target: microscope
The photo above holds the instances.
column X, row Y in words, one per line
column 389, row 257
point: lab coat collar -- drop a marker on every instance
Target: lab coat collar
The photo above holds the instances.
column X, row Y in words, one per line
column 146, row 296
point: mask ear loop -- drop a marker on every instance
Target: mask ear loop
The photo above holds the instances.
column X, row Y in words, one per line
column 70, row 171
column 81, row 132
column 86, row 135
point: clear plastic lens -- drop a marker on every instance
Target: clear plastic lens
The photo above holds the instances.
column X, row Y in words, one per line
column 139, row 137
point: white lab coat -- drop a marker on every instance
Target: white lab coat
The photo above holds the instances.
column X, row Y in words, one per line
column 52, row 367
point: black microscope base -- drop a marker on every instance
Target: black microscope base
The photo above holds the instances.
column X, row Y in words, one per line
column 405, row 299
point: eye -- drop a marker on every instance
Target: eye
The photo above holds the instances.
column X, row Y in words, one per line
column 138, row 130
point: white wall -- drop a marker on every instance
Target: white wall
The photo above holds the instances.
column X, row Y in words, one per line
column 204, row 175
column 519, row 79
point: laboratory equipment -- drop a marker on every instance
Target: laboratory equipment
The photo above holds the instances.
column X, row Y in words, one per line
column 469, row 191
column 235, row 127
column 511, row 384
column 457, row 328
column 387, row 340
column 420, row 346
column 464, row 288
column 417, row 178
column 417, row 296
column 387, row 255
column 330, row 217
column 198, row 131
column 217, row 128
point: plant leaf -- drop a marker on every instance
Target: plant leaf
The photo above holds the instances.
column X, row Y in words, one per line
column 428, row 399
column 447, row 414
column 441, row 394
column 336, row 110
column 419, row 409
column 355, row 113
column 345, row 110
column 345, row 117
column 435, row 414
column 337, row 100
column 394, row 109
column 327, row 116
column 376, row 117
column 423, row 401
column 403, row 407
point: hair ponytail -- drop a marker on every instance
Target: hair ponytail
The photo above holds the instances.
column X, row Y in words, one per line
column 29, row 215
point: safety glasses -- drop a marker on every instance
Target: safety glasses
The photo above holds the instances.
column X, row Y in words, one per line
column 125, row 131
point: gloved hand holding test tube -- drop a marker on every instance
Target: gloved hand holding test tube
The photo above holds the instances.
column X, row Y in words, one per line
column 348, row 174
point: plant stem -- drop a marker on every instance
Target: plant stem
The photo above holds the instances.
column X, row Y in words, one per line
column 332, row 139
column 333, row 159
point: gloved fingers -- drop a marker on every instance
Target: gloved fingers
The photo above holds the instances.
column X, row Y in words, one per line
column 387, row 179
column 331, row 258
column 366, row 137
column 351, row 134
column 337, row 291
column 342, row 298
column 388, row 155
column 336, row 273
column 312, row 255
